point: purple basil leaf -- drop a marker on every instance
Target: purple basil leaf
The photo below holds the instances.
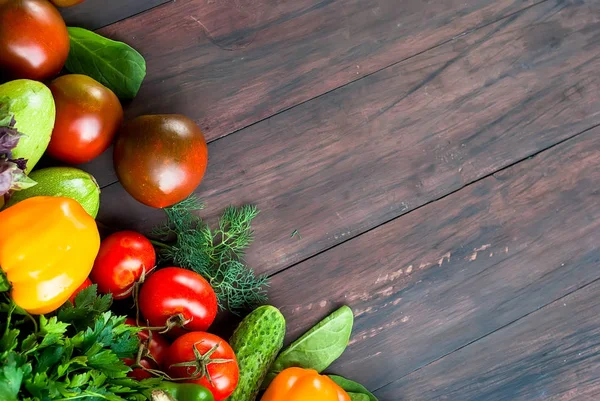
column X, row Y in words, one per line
column 12, row 178
column 20, row 162
column 9, row 138
column 6, row 176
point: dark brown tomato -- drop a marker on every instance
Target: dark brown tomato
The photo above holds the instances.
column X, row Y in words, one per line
column 34, row 42
column 160, row 159
column 88, row 115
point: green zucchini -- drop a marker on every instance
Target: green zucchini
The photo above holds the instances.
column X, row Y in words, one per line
column 256, row 343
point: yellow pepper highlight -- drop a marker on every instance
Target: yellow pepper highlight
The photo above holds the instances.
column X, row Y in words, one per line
column 297, row 384
column 47, row 250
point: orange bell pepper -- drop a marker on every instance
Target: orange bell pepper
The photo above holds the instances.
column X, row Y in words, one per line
column 297, row 384
column 47, row 250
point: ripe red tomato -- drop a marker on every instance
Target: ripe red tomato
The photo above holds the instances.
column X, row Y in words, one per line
column 160, row 159
column 122, row 259
column 224, row 375
column 172, row 291
column 157, row 348
column 66, row 3
column 88, row 115
column 83, row 285
column 34, row 42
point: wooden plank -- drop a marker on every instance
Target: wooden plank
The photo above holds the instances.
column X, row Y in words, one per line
column 551, row 355
column 230, row 63
column 94, row 14
column 454, row 271
column 346, row 162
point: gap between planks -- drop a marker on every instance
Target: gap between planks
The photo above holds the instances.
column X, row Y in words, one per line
column 403, row 60
column 572, row 137
column 491, row 332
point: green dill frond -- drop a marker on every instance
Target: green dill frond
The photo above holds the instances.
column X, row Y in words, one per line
column 217, row 255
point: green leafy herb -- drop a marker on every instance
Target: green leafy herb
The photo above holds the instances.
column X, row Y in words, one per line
column 114, row 64
column 357, row 391
column 318, row 347
column 216, row 254
column 73, row 354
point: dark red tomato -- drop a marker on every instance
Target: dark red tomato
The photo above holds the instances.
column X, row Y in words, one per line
column 122, row 259
column 88, row 115
column 83, row 285
column 224, row 376
column 157, row 348
column 139, row 373
column 34, row 42
column 172, row 291
column 160, row 159
column 66, row 3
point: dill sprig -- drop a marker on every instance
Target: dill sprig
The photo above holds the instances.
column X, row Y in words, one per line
column 217, row 255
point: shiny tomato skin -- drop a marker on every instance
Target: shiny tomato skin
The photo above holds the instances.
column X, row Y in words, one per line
column 140, row 374
column 34, row 42
column 88, row 115
column 83, row 285
column 66, row 3
column 122, row 259
column 172, row 291
column 224, row 376
column 160, row 159
column 157, row 347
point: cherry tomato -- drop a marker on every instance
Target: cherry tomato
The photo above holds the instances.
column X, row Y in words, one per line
column 88, row 115
column 34, row 42
column 66, row 3
column 157, row 348
column 224, row 375
column 139, row 373
column 160, row 159
column 174, row 291
column 122, row 259
column 83, row 285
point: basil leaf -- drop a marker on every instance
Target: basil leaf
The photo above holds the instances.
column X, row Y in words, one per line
column 352, row 387
column 114, row 64
column 358, row 397
column 319, row 346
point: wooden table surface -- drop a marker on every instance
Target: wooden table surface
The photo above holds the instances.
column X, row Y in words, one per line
column 440, row 160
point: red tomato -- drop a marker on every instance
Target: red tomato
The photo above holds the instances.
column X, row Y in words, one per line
column 172, row 291
column 83, row 285
column 139, row 373
column 157, row 348
column 123, row 257
column 66, row 3
column 160, row 159
column 34, row 42
column 88, row 115
column 224, row 375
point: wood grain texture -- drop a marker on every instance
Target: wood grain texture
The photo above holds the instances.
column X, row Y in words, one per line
column 346, row 162
column 94, row 14
column 458, row 269
column 230, row 63
column 551, row 355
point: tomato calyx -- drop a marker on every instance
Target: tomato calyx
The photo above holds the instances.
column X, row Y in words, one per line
column 201, row 363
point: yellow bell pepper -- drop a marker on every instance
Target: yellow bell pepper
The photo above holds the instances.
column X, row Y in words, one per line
column 47, row 250
column 297, row 384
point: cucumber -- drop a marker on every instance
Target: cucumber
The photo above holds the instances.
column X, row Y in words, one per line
column 256, row 343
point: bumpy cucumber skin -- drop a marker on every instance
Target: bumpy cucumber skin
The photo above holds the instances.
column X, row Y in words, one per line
column 256, row 342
